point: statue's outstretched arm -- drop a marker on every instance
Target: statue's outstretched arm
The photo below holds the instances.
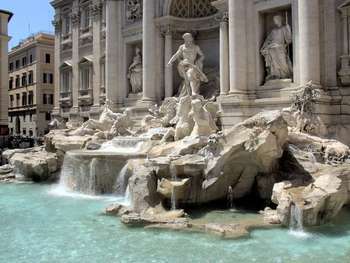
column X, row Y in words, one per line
column 175, row 57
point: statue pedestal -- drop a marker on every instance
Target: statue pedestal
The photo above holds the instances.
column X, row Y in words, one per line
column 133, row 99
column 276, row 89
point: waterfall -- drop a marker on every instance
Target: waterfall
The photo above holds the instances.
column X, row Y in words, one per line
column 121, row 185
column 296, row 227
column 92, row 176
column 173, row 179
column 296, row 218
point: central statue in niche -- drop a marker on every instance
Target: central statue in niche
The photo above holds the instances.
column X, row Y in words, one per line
column 190, row 66
column 275, row 51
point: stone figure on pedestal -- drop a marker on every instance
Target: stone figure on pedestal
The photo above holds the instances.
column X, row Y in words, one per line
column 135, row 72
column 190, row 66
column 275, row 51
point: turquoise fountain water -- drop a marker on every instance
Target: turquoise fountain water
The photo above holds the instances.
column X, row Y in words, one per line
column 37, row 225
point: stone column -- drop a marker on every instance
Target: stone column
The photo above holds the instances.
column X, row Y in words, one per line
column 96, row 32
column 168, row 70
column 113, row 51
column 238, row 47
column 224, row 56
column 149, row 52
column 309, row 41
column 75, row 18
column 57, row 23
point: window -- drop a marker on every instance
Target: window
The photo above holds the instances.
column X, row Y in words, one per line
column 30, row 98
column 85, row 78
column 44, row 99
column 24, row 99
column 17, row 100
column 66, row 82
column 51, row 78
column 17, row 64
column 11, row 83
column 11, row 131
column 17, row 81
column 47, row 58
column 24, row 117
column 50, row 99
column 11, row 103
column 30, row 133
column 85, row 18
column 30, row 117
column 11, row 66
column 47, row 116
column 30, row 77
column 24, row 61
column 66, row 24
column 44, row 78
column 31, row 59
column 24, row 132
column 24, row 80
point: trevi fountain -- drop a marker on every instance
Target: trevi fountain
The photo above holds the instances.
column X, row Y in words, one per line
column 179, row 186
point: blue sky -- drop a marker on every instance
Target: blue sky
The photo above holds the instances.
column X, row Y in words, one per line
column 30, row 16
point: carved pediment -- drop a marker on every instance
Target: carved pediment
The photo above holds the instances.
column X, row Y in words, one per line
column 345, row 5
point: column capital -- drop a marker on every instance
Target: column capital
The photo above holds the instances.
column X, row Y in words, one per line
column 96, row 10
column 57, row 22
column 222, row 17
column 75, row 17
column 167, row 30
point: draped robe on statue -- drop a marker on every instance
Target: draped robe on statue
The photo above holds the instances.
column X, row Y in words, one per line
column 275, row 51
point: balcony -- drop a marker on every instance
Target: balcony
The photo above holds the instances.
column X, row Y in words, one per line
column 66, row 99
column 85, row 97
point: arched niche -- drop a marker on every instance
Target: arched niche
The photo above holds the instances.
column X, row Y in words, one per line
column 200, row 19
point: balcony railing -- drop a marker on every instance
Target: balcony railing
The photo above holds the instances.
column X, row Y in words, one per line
column 85, row 97
column 66, row 98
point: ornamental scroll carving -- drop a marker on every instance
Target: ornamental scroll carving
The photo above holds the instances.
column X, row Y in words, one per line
column 133, row 10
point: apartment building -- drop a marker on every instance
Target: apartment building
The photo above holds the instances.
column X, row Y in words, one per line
column 31, row 86
column 5, row 17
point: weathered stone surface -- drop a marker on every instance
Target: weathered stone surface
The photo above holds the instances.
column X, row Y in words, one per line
column 37, row 165
column 6, row 169
column 117, row 210
column 170, row 217
column 179, row 189
column 317, row 186
column 143, row 186
column 58, row 140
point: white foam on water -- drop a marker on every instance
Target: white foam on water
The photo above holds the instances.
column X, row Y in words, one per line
column 62, row 191
column 124, row 145
column 300, row 234
column 296, row 227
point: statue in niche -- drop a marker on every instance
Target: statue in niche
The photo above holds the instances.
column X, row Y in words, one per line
column 190, row 66
column 135, row 72
column 134, row 10
column 275, row 51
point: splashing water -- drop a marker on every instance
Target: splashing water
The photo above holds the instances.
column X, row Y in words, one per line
column 124, row 145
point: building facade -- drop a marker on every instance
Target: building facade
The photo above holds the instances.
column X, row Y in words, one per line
column 31, row 86
column 257, row 53
column 5, row 17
